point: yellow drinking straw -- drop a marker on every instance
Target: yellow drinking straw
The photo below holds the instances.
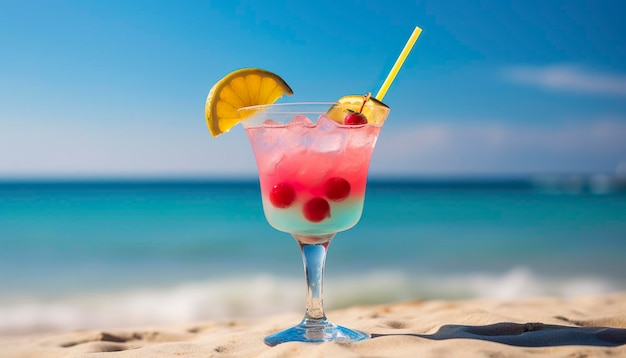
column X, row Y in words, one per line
column 396, row 67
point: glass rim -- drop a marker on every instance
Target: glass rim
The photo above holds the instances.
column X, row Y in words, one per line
column 286, row 105
column 253, row 116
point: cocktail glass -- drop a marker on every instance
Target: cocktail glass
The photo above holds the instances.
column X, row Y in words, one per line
column 312, row 173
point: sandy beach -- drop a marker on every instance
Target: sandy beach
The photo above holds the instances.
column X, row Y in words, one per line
column 539, row 327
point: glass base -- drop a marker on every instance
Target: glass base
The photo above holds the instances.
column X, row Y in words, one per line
column 316, row 332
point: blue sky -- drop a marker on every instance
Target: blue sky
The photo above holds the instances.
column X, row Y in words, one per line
column 117, row 88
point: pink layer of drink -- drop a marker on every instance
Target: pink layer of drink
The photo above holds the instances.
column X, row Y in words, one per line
column 315, row 160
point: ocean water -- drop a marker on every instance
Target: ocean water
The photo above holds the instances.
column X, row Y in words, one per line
column 86, row 254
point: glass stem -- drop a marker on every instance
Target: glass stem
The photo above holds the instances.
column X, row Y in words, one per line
column 314, row 259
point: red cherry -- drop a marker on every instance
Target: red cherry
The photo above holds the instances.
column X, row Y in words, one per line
column 355, row 118
column 316, row 209
column 282, row 195
column 336, row 188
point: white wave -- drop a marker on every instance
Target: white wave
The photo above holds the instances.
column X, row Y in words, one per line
column 234, row 297
column 519, row 282
column 263, row 295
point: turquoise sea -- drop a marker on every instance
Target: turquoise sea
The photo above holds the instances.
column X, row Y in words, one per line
column 83, row 254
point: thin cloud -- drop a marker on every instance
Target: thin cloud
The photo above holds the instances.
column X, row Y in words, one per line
column 500, row 148
column 120, row 149
column 569, row 78
column 433, row 147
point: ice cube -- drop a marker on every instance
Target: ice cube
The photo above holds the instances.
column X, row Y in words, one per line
column 364, row 137
column 313, row 171
column 328, row 142
column 270, row 123
column 302, row 121
column 326, row 124
column 289, row 163
column 267, row 165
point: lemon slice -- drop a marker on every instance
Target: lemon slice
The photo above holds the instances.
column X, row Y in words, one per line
column 241, row 88
column 375, row 110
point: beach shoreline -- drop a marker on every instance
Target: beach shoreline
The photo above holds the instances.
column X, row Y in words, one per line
column 541, row 326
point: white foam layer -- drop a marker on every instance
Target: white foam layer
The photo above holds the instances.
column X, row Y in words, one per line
column 265, row 295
